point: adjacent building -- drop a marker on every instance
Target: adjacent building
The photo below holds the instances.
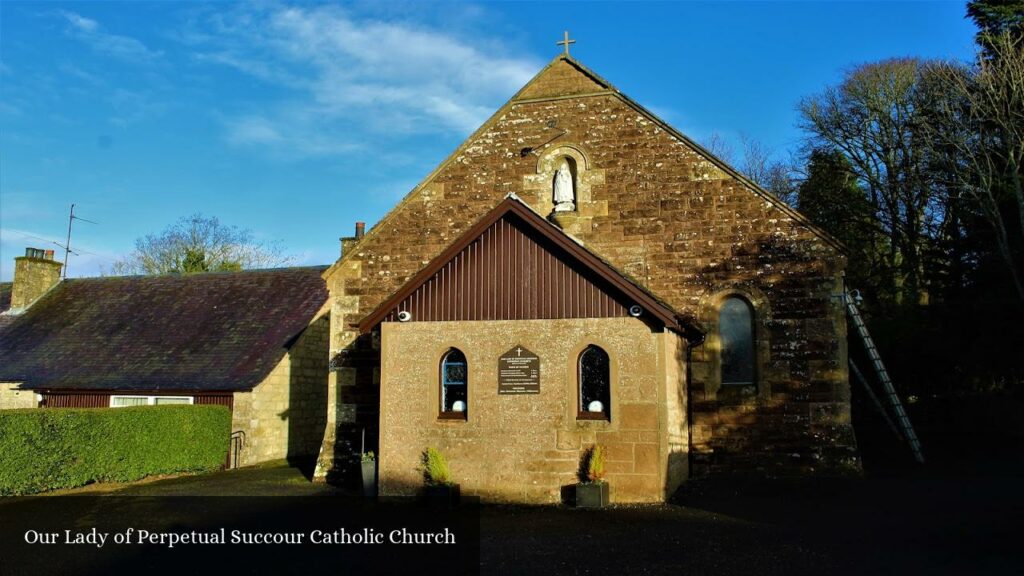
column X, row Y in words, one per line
column 254, row 341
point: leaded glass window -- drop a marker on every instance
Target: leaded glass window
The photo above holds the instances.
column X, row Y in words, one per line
column 595, row 384
column 736, row 334
column 454, row 382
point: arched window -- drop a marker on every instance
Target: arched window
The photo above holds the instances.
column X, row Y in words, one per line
column 454, row 383
column 595, row 384
column 736, row 335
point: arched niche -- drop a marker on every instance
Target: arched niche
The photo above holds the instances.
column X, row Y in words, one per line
column 540, row 185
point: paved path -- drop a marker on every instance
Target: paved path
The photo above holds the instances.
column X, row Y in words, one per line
column 881, row 526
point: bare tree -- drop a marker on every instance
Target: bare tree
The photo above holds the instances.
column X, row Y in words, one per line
column 719, row 147
column 983, row 123
column 200, row 244
column 872, row 118
column 775, row 176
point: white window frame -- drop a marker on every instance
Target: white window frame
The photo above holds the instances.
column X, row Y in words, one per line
column 150, row 400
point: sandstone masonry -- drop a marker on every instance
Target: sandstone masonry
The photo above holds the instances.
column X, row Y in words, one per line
column 662, row 210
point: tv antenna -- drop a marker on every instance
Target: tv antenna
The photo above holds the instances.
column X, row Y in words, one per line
column 67, row 245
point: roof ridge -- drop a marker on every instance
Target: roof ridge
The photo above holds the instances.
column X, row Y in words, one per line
column 611, row 90
column 318, row 267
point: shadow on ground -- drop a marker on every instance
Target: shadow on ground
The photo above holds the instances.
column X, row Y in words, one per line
column 891, row 525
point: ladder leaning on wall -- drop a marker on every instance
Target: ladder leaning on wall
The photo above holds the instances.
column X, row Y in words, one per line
column 883, row 376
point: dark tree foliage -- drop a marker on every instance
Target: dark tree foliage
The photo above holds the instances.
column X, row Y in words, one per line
column 995, row 17
column 833, row 199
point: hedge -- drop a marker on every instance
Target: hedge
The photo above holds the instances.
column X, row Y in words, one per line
column 46, row 449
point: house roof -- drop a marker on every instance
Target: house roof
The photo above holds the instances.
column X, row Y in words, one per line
column 215, row 331
column 5, row 296
column 569, row 249
column 5, row 303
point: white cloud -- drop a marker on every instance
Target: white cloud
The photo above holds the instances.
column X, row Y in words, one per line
column 346, row 75
column 252, row 130
column 80, row 22
column 122, row 47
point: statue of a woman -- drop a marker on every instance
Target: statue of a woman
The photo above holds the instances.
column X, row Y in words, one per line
column 565, row 196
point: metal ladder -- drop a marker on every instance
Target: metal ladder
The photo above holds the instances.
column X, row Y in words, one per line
column 883, row 377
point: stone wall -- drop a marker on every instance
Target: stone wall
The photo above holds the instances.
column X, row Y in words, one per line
column 284, row 416
column 659, row 210
column 32, row 278
column 525, row 448
column 12, row 398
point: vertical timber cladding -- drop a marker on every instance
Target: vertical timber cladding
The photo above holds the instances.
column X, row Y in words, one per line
column 510, row 274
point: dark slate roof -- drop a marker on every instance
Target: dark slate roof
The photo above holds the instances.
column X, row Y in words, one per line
column 217, row 331
column 5, row 303
column 5, row 296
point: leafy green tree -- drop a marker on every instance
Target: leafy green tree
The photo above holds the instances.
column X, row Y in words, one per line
column 200, row 244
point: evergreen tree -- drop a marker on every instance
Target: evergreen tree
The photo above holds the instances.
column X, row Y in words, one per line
column 832, row 198
column 995, row 17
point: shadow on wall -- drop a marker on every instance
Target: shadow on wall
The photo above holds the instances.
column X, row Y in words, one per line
column 797, row 424
column 678, row 465
column 307, row 395
column 358, row 410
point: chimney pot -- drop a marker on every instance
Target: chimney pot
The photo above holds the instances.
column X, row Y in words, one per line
column 360, row 229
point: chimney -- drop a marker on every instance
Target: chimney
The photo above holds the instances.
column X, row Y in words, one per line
column 349, row 241
column 34, row 274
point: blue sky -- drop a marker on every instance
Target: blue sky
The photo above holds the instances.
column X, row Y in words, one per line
column 296, row 120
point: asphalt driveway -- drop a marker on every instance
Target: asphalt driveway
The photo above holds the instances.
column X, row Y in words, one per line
column 906, row 525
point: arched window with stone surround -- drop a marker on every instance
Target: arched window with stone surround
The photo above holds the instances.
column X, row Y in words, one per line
column 594, row 373
column 736, row 339
column 454, row 385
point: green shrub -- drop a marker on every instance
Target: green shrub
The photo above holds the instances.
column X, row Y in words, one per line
column 435, row 467
column 46, row 449
column 592, row 465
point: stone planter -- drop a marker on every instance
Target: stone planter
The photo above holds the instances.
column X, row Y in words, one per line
column 369, row 478
column 592, row 495
column 441, row 496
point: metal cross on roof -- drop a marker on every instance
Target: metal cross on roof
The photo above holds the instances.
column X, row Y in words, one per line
column 566, row 42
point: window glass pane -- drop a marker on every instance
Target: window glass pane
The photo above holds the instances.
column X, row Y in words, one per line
column 453, row 382
column 455, row 373
column 594, row 380
column 167, row 400
column 736, row 331
column 121, row 401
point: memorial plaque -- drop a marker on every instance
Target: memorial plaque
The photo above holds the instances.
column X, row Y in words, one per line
column 519, row 372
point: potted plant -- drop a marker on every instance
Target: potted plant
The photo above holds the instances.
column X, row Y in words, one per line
column 438, row 489
column 592, row 490
column 369, row 466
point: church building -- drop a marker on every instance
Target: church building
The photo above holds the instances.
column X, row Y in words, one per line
column 578, row 272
